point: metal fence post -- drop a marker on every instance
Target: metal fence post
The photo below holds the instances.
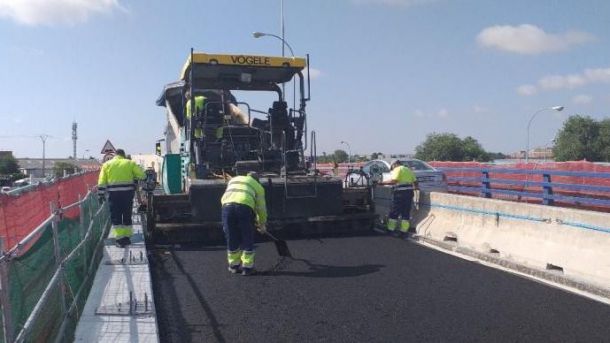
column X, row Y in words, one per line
column 83, row 229
column 7, row 313
column 58, row 258
column 547, row 190
column 485, row 185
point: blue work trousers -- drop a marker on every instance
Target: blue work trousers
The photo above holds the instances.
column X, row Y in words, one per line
column 401, row 204
column 121, row 204
column 238, row 227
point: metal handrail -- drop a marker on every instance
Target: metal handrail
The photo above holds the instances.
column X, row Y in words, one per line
column 25, row 240
column 59, row 271
column 527, row 171
column 484, row 184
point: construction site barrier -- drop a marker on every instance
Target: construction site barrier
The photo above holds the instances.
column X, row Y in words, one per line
column 45, row 278
column 567, row 242
column 21, row 211
column 575, row 184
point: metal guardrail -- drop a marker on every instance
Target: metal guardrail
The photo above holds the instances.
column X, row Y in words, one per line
column 59, row 276
column 547, row 187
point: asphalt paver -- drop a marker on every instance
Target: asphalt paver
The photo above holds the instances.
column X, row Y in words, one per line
column 373, row 288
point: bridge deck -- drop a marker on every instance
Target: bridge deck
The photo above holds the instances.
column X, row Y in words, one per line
column 368, row 288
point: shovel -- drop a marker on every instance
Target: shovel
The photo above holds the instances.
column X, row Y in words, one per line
column 280, row 245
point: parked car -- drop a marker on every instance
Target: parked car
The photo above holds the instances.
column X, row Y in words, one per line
column 429, row 178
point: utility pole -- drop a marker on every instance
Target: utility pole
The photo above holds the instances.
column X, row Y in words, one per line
column 74, row 137
column 43, row 138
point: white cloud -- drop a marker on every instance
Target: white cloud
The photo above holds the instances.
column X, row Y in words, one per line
column 570, row 81
column 442, row 113
column 582, row 99
column 529, row 39
column 394, row 3
column 313, row 73
column 27, row 51
column 479, row 109
column 527, row 90
column 51, row 12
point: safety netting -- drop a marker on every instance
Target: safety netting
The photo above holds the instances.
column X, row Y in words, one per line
column 21, row 213
column 463, row 177
column 49, row 275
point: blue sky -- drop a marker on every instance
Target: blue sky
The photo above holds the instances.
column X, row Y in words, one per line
column 387, row 72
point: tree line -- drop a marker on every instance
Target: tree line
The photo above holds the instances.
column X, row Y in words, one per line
column 580, row 138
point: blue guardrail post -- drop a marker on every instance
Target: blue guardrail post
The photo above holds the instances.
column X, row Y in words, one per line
column 485, row 185
column 547, row 190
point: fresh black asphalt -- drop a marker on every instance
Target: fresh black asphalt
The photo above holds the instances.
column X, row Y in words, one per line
column 361, row 289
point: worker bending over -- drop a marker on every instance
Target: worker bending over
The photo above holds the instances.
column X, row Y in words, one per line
column 243, row 207
column 404, row 182
column 117, row 181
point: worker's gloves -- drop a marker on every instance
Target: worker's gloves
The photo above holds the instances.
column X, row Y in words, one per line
column 262, row 228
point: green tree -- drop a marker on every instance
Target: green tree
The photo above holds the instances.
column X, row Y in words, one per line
column 440, row 147
column 578, row 139
column 8, row 165
column 60, row 167
column 603, row 140
column 473, row 151
column 449, row 147
column 340, row 156
column 497, row 156
column 376, row 155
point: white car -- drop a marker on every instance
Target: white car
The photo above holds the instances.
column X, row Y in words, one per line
column 428, row 178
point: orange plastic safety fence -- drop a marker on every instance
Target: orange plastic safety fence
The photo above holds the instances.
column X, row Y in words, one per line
column 20, row 214
column 575, row 166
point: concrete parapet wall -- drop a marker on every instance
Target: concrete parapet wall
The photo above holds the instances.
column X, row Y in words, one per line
column 573, row 242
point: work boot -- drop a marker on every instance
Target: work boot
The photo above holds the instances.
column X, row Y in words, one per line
column 123, row 242
column 234, row 269
column 247, row 271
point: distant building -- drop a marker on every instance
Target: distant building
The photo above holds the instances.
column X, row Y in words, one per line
column 149, row 161
column 544, row 153
column 33, row 166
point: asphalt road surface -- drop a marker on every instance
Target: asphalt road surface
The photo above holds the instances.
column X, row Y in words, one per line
column 361, row 289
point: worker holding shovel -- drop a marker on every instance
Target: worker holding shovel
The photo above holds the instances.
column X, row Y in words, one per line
column 243, row 207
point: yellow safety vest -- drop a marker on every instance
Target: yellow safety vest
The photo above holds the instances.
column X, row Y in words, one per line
column 403, row 175
column 199, row 101
column 247, row 191
column 119, row 174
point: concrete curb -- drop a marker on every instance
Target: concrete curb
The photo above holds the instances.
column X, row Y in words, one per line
column 521, row 268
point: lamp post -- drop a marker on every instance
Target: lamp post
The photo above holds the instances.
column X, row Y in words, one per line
column 284, row 43
column 85, row 153
column 527, row 148
column 349, row 149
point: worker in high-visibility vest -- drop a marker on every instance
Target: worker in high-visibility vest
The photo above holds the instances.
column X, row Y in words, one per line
column 116, row 181
column 405, row 183
column 199, row 104
column 243, row 208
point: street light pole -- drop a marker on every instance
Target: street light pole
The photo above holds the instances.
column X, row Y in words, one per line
column 527, row 148
column 284, row 44
column 349, row 149
column 283, row 30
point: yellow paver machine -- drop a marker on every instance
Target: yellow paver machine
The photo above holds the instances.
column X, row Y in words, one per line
column 217, row 136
